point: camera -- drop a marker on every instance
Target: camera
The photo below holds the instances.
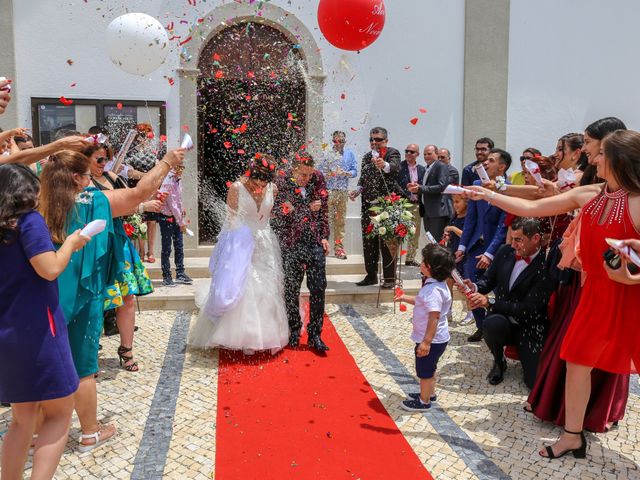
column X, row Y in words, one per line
column 612, row 259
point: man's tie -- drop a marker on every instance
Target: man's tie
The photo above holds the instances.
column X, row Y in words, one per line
column 527, row 260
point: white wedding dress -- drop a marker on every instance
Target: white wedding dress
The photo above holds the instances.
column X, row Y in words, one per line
column 244, row 308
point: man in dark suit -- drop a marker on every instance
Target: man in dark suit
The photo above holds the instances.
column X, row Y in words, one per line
column 378, row 177
column 484, row 231
column 469, row 175
column 302, row 226
column 434, row 205
column 411, row 172
column 518, row 313
column 444, row 155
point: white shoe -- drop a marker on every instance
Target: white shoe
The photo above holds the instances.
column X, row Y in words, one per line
column 467, row 319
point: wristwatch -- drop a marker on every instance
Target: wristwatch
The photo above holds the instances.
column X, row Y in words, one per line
column 492, row 302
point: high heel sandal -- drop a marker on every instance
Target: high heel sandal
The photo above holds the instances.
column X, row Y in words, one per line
column 124, row 358
column 580, row 452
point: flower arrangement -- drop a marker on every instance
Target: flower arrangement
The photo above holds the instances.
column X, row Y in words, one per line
column 392, row 219
column 135, row 227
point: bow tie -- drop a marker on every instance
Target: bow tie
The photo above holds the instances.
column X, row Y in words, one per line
column 527, row 260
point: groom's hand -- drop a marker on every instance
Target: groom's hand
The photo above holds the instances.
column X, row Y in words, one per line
column 325, row 246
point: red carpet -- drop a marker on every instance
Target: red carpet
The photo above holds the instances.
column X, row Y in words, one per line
column 300, row 415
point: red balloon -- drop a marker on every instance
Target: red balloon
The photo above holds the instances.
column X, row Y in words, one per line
column 351, row 24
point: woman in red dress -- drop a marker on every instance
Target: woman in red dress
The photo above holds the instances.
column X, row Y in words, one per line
column 604, row 332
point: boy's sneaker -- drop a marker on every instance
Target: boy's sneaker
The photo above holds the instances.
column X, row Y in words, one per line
column 168, row 282
column 416, row 396
column 415, row 405
column 184, row 279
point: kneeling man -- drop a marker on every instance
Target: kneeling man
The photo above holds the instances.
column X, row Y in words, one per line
column 518, row 313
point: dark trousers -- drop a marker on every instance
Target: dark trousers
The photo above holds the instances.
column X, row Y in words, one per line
column 473, row 273
column 170, row 233
column 435, row 226
column 304, row 256
column 500, row 332
column 371, row 250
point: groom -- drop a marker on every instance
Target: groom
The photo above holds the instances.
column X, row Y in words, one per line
column 301, row 224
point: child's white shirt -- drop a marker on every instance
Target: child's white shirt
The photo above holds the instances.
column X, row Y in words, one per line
column 434, row 296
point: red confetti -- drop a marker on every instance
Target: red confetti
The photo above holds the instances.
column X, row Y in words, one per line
column 213, row 130
column 200, row 20
column 185, row 128
column 216, row 57
column 243, row 128
column 241, row 152
column 251, row 75
column 73, row 84
column 265, row 163
column 289, row 116
column 399, row 292
column 171, row 81
column 69, row 62
column 119, row 106
column 305, row 219
column 219, row 74
column 323, row 193
column 173, row 37
column 150, row 135
column 403, row 307
column 297, row 190
column 247, row 173
column 413, row 121
column 403, row 252
column 285, row 209
column 423, row 110
column 227, row 145
column 186, row 40
column 163, row 138
column 258, row 156
column 65, row 101
column 354, row 129
column 247, row 98
column 272, row 167
column 343, row 96
column 272, row 75
column 170, row 26
column 228, row 184
column 282, row 173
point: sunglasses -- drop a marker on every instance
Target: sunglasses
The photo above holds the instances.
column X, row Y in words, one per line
column 376, row 139
column 523, row 158
column 412, row 152
column 101, row 160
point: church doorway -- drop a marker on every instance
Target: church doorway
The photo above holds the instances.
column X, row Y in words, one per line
column 251, row 99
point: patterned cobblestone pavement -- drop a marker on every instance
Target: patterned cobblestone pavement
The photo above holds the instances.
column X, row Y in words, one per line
column 165, row 414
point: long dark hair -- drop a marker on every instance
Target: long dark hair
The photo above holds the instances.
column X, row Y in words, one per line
column 622, row 154
column 575, row 141
column 19, row 188
column 598, row 130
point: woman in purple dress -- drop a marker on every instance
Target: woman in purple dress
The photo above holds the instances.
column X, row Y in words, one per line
column 36, row 368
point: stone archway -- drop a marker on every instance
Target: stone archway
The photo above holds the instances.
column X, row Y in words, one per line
column 195, row 63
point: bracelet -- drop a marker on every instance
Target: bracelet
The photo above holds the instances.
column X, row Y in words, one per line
column 163, row 160
column 141, row 208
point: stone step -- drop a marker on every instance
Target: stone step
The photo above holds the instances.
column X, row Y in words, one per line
column 340, row 289
column 198, row 266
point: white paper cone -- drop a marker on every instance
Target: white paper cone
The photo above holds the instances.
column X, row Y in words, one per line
column 482, row 173
column 189, row 232
column 457, row 190
column 187, row 143
column 93, row 228
column 534, row 169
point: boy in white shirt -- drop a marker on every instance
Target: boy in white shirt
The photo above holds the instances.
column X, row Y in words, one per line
column 430, row 328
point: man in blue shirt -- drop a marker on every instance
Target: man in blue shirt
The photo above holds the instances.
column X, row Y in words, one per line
column 338, row 166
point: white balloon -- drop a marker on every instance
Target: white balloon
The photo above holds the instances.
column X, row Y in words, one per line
column 137, row 43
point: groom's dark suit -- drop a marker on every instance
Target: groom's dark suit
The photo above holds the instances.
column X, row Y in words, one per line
column 519, row 315
column 300, row 232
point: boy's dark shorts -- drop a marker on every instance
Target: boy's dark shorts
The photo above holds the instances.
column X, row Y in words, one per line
column 426, row 366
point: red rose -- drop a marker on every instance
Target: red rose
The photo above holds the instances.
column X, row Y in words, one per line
column 128, row 229
column 369, row 229
column 401, row 231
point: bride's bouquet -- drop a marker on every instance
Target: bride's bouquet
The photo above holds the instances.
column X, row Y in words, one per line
column 135, row 227
column 392, row 219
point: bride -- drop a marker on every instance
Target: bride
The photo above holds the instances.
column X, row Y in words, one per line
column 244, row 309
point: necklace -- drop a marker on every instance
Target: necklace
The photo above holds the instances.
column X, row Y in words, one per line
column 596, row 208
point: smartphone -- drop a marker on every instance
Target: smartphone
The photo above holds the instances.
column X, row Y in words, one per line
column 612, row 259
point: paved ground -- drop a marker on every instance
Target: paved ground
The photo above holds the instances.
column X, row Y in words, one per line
column 165, row 413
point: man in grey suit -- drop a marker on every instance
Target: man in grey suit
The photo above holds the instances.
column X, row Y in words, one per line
column 434, row 205
column 444, row 155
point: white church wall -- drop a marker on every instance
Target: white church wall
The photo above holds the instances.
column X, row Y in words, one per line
column 570, row 63
column 417, row 62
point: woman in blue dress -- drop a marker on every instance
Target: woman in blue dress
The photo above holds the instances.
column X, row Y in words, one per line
column 36, row 368
column 67, row 203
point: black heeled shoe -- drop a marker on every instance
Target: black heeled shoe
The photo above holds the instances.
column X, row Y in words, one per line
column 124, row 359
column 580, row 452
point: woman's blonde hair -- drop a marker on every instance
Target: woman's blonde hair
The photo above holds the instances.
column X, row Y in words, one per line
column 58, row 190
